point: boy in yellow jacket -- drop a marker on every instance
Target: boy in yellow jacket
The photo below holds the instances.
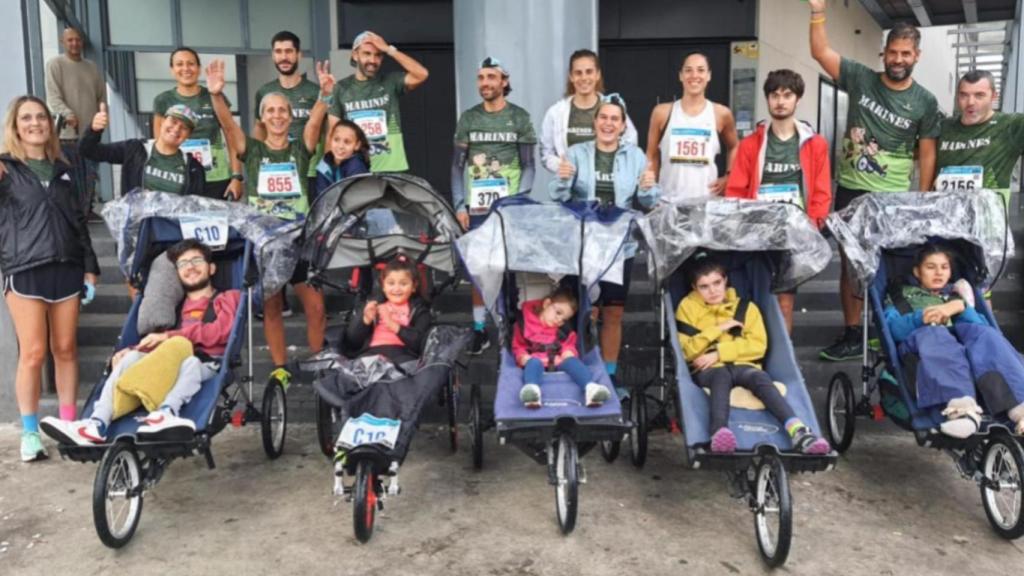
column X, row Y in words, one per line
column 723, row 352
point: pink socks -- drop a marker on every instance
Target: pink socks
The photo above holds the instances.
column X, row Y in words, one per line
column 68, row 412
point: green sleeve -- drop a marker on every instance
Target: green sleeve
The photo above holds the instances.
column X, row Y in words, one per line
column 852, row 73
column 160, row 104
column 526, row 133
column 396, row 82
column 931, row 123
column 462, row 131
column 1016, row 131
column 256, row 101
column 337, row 108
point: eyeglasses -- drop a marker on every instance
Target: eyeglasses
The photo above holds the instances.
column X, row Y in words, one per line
column 196, row 262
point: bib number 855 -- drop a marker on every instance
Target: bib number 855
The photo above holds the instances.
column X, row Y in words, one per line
column 279, row 184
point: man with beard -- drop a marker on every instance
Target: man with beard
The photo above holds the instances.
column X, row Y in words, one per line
column 286, row 50
column 503, row 134
column 896, row 115
column 784, row 161
column 189, row 351
column 371, row 100
column 979, row 148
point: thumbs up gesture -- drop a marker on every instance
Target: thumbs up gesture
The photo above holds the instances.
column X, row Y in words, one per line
column 101, row 119
column 565, row 168
column 647, row 178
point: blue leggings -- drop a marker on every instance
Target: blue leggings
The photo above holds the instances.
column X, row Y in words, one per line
column 533, row 372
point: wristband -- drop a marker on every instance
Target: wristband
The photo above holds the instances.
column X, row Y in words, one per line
column 329, row 99
column 818, row 20
column 239, row 177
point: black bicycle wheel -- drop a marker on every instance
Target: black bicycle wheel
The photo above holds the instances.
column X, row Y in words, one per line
column 1003, row 468
column 773, row 511
column 841, row 417
column 273, row 419
column 451, row 398
column 117, row 495
column 638, row 434
column 567, row 483
column 324, row 425
column 364, row 501
column 476, row 426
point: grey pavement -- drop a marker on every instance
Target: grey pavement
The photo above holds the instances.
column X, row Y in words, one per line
column 890, row 508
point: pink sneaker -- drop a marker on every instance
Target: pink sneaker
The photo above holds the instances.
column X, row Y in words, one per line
column 723, row 441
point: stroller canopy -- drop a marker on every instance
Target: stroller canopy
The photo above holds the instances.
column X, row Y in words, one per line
column 276, row 242
column 522, row 235
column 364, row 219
column 874, row 222
column 674, row 231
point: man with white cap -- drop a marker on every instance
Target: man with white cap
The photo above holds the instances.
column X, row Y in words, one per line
column 494, row 146
column 371, row 100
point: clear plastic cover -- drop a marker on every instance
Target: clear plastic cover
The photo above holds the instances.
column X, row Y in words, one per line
column 548, row 239
column 276, row 243
column 874, row 222
column 674, row 231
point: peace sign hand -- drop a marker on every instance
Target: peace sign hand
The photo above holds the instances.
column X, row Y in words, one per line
column 325, row 78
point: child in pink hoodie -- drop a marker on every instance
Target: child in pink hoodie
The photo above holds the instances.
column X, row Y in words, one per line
column 541, row 343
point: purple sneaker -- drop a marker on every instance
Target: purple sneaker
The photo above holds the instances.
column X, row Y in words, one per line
column 807, row 443
column 723, row 441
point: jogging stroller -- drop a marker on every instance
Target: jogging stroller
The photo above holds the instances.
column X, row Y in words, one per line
column 130, row 466
column 367, row 417
column 512, row 258
column 881, row 234
column 765, row 247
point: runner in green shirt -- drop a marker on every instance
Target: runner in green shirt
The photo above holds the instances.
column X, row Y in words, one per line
column 206, row 141
column 164, row 172
column 371, row 100
column 286, row 50
column 888, row 117
column 980, row 147
column 493, row 158
column 276, row 184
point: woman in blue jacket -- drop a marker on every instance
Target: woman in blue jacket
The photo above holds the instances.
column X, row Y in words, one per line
column 612, row 172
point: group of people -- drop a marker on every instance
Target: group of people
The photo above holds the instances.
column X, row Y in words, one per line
column 309, row 135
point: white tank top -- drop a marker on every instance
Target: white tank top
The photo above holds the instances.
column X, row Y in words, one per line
column 688, row 149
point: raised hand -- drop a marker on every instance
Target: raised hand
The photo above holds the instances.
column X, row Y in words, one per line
column 377, row 42
column 370, row 312
column 325, row 78
column 215, row 76
column 817, row 5
column 101, row 120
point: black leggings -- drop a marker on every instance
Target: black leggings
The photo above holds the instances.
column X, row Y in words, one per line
column 721, row 380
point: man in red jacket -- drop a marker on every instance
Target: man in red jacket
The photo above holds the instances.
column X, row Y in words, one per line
column 784, row 161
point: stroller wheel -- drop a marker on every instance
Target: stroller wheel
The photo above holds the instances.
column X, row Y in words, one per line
column 610, row 450
column 773, row 511
column 567, row 486
column 364, row 501
column 841, row 415
column 273, row 419
column 117, row 495
column 451, row 400
column 1003, row 466
column 476, row 426
column 324, row 425
column 638, row 434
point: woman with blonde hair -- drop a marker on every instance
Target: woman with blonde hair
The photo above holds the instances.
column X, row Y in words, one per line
column 47, row 261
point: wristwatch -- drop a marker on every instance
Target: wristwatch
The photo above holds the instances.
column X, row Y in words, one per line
column 239, row 177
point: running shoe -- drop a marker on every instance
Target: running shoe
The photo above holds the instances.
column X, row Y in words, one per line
column 282, row 375
column 32, row 449
column 846, row 347
column 807, row 443
column 529, row 395
column 596, row 394
column 480, row 343
column 723, row 441
column 167, row 426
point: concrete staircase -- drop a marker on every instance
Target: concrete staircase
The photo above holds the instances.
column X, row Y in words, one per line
column 816, row 323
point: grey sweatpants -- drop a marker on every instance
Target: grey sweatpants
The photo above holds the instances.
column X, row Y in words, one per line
column 190, row 377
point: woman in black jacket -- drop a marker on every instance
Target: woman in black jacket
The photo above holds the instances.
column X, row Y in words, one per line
column 158, row 165
column 47, row 260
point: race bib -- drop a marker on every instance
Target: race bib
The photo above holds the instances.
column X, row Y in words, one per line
column 374, row 123
column 690, row 146
column 368, row 429
column 210, row 228
column 789, row 193
column 960, row 178
column 483, row 193
column 279, row 181
column 199, row 149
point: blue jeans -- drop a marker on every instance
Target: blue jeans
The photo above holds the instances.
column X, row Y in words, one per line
column 533, row 372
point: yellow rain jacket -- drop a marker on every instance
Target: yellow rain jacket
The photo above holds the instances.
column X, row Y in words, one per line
column 699, row 333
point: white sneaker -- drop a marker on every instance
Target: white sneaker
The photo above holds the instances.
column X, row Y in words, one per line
column 596, row 394
column 167, row 425
column 529, row 395
column 963, row 417
column 87, row 432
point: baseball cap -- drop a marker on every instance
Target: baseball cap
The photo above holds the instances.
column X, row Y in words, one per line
column 492, row 62
column 183, row 113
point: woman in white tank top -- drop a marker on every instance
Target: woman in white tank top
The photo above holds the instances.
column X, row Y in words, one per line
column 689, row 145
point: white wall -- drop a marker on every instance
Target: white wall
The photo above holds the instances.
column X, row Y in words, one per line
column 936, row 69
column 784, row 37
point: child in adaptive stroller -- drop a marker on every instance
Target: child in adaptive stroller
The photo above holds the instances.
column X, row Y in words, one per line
column 724, row 340
column 543, row 341
column 397, row 327
column 948, row 348
column 167, row 368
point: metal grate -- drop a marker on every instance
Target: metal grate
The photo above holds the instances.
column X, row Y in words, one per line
column 983, row 47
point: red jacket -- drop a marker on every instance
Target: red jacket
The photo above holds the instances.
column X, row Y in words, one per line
column 532, row 331
column 210, row 338
column 745, row 178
